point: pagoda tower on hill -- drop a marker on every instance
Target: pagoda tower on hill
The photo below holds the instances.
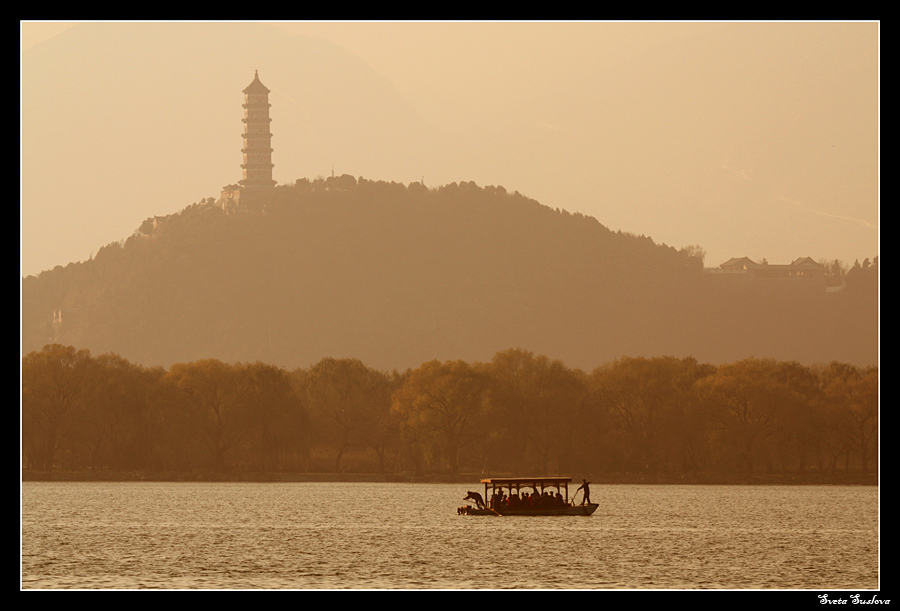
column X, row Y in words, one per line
column 257, row 151
column 257, row 137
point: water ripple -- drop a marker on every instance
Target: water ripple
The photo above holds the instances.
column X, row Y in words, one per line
column 346, row 536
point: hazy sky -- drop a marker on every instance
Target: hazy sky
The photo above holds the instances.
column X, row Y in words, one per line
column 613, row 120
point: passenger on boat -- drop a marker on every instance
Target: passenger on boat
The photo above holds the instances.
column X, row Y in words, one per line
column 587, row 492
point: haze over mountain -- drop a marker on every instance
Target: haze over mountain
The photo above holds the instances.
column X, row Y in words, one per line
column 395, row 275
column 754, row 139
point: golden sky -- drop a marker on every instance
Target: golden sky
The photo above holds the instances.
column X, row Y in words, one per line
column 748, row 139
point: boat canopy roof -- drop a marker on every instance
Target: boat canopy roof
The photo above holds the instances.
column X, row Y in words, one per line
column 527, row 481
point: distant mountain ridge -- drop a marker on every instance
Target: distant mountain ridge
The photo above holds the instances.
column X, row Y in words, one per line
column 396, row 274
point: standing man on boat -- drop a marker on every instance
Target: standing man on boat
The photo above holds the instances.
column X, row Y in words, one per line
column 585, row 485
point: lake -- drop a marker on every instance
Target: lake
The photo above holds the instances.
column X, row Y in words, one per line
column 154, row 535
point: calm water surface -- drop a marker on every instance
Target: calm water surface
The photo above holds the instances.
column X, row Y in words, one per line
column 408, row 536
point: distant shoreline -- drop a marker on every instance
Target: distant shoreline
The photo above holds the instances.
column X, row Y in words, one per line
column 789, row 479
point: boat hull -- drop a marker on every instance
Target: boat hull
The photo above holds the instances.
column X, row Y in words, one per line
column 575, row 510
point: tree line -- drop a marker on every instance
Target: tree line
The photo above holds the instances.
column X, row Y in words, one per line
column 519, row 413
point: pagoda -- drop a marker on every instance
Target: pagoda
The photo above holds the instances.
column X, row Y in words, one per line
column 257, row 150
column 257, row 137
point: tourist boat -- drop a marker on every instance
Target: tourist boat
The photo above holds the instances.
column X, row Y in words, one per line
column 526, row 496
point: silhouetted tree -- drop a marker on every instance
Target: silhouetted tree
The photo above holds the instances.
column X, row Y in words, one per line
column 648, row 398
column 746, row 400
column 350, row 403
column 118, row 426
column 212, row 394
column 53, row 381
column 445, row 401
column 279, row 429
column 853, row 395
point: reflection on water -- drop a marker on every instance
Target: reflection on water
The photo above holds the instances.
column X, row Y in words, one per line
column 363, row 535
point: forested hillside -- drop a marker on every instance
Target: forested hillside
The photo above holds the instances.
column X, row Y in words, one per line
column 396, row 275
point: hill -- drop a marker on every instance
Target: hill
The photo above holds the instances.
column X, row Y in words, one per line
column 757, row 139
column 397, row 274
